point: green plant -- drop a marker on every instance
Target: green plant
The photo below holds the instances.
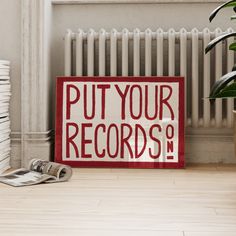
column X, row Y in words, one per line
column 223, row 88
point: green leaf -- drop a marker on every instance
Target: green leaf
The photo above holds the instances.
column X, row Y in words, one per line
column 231, row 3
column 234, row 67
column 225, row 94
column 222, row 83
column 230, row 87
column 218, row 39
column 232, row 46
column 228, row 91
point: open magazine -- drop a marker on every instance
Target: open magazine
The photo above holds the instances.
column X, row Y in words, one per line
column 39, row 171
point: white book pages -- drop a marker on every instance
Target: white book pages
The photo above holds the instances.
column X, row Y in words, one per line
column 5, row 122
column 3, row 129
column 5, row 134
column 4, row 119
column 5, row 168
column 4, row 70
column 5, row 98
column 3, row 108
column 4, row 77
column 5, row 148
column 4, row 90
column 5, row 62
column 5, row 143
column 5, row 93
column 4, row 73
column 5, row 160
column 4, row 82
column 4, row 66
column 4, row 114
column 4, row 156
column 4, row 111
column 4, row 151
column 4, row 104
column 4, row 125
column 4, row 137
column 5, row 87
column 4, row 165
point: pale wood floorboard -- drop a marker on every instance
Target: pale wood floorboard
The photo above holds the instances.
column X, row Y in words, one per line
column 197, row 201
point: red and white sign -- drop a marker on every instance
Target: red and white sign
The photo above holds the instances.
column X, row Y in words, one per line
column 120, row 122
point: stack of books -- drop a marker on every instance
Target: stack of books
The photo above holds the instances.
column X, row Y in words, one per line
column 5, row 94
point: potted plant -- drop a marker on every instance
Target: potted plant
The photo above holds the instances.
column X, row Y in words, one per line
column 225, row 87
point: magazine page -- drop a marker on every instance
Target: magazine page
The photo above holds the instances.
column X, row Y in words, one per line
column 39, row 171
column 24, row 177
column 59, row 171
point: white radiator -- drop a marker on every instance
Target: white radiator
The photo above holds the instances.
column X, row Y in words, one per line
column 158, row 53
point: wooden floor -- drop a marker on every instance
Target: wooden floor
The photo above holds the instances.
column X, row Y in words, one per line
column 197, row 201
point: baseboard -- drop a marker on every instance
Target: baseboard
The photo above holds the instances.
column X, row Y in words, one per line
column 36, row 145
column 209, row 149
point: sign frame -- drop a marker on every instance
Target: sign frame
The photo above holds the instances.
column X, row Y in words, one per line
column 119, row 79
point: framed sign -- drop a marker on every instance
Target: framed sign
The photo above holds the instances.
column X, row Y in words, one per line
column 134, row 122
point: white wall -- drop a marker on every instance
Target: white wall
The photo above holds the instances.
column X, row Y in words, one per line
column 131, row 16
column 10, row 49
